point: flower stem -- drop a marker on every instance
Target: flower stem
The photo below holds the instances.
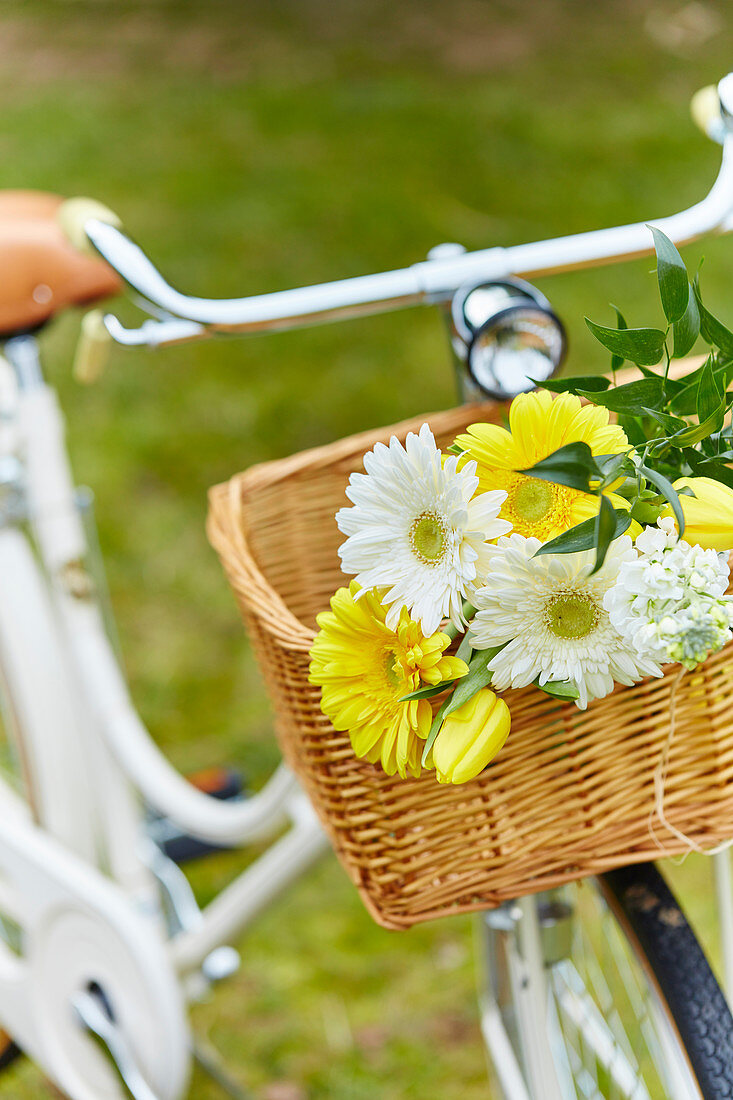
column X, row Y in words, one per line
column 468, row 611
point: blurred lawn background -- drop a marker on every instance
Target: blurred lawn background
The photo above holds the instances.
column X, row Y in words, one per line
column 255, row 146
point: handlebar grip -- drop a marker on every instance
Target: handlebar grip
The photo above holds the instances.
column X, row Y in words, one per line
column 73, row 215
column 705, row 111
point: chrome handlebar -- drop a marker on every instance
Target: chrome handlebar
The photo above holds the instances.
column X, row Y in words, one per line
column 448, row 268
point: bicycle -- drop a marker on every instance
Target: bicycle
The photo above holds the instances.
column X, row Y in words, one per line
column 101, row 935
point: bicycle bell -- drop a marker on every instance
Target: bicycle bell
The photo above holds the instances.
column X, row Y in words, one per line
column 507, row 335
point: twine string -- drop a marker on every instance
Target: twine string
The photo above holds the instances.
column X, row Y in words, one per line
column 660, row 780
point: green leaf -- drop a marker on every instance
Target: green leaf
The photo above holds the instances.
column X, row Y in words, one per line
column 724, row 371
column 695, row 432
column 434, row 730
column 571, row 465
column 612, row 466
column 713, row 330
column 630, row 398
column 595, row 383
column 620, row 319
column 428, row 692
column 618, row 360
column 671, row 275
column 686, row 330
column 684, row 400
column 634, row 431
column 709, row 400
column 646, row 512
column 718, row 471
column 558, row 689
column 668, row 491
column 465, row 649
column 705, row 467
column 668, row 422
column 582, row 536
column 639, row 345
column 612, row 462
column 604, row 532
column 478, row 677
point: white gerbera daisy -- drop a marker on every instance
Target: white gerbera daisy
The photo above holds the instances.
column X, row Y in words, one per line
column 417, row 530
column 550, row 611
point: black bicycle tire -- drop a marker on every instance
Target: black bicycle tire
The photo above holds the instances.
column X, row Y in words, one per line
column 669, row 951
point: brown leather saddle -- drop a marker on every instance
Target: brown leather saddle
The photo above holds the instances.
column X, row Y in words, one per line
column 40, row 271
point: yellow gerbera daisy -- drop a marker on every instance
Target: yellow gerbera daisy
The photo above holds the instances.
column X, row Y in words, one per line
column 364, row 669
column 708, row 515
column 540, row 425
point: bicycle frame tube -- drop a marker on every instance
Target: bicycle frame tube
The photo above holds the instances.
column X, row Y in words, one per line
column 239, row 903
column 105, row 794
column 47, row 720
column 61, row 541
column 117, row 747
column 431, row 281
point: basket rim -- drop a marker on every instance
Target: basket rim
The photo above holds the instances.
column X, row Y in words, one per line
column 225, row 530
column 226, row 525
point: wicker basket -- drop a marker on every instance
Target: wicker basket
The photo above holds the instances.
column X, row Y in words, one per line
column 570, row 794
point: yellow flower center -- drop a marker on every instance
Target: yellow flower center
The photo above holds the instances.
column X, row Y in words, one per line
column 571, row 616
column 389, row 662
column 429, row 537
column 532, row 499
column 536, row 508
column 398, row 669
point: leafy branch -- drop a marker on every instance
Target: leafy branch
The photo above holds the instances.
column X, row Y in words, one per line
column 676, row 426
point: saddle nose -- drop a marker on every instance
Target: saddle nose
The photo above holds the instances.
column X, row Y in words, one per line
column 41, row 273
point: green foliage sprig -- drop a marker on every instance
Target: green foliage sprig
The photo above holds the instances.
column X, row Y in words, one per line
column 676, row 426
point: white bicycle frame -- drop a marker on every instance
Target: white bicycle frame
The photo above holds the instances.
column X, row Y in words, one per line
column 87, row 890
column 82, row 743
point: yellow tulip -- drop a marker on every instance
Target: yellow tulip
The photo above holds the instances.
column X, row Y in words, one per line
column 470, row 737
column 708, row 515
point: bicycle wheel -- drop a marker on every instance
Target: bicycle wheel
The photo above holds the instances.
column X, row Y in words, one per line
column 626, row 1006
column 696, row 1012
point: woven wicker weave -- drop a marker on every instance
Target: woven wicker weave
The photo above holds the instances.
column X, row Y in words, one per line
column 570, row 794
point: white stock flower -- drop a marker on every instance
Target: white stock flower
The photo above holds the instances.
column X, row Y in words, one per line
column 417, row 529
column 670, row 602
column 549, row 610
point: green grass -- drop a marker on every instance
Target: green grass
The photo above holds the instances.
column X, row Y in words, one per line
column 255, row 146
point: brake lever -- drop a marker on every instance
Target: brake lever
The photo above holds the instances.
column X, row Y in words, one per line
column 154, row 333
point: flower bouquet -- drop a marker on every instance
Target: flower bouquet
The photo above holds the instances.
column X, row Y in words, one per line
column 538, row 570
column 565, row 551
